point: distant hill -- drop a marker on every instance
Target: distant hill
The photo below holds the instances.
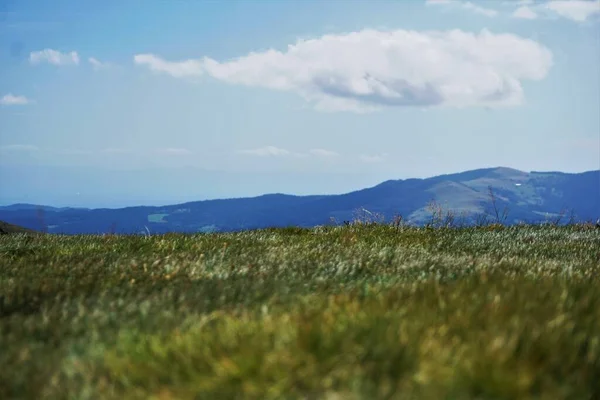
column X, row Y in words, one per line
column 6, row 228
column 26, row 206
column 529, row 196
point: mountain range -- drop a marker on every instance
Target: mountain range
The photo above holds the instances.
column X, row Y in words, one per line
column 527, row 196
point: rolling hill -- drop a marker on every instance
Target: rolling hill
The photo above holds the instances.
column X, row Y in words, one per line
column 6, row 228
column 529, row 196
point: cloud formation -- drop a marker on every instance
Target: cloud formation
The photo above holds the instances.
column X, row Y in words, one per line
column 488, row 12
column 524, row 12
column 370, row 69
column 180, row 69
column 54, row 57
column 12, row 100
column 467, row 5
column 97, row 64
column 576, row 10
column 267, row 151
column 323, row 153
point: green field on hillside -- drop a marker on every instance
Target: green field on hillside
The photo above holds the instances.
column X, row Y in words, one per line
column 157, row 218
column 351, row 312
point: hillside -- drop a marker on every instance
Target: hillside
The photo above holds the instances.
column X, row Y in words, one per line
column 6, row 228
column 529, row 197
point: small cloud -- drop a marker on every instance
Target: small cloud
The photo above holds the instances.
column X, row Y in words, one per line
column 266, row 152
column 12, row 100
column 488, row 12
column 97, row 64
column 323, row 153
column 467, row 5
column 18, row 147
column 575, row 10
column 179, row 69
column 173, row 151
column 54, row 57
column 524, row 12
column 377, row 158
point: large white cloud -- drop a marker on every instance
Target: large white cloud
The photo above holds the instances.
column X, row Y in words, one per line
column 54, row 57
column 369, row 69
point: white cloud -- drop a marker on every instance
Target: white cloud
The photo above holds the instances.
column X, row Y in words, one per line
column 54, row 57
column 467, row 5
column 180, row 69
column 372, row 159
column 18, row 147
column 576, row 10
column 488, row 12
column 369, row 69
column 323, row 153
column 524, row 12
column 12, row 100
column 97, row 64
column 266, row 151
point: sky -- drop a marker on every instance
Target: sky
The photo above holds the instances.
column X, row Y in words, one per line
column 118, row 103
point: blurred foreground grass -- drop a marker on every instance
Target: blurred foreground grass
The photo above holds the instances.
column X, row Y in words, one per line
column 356, row 312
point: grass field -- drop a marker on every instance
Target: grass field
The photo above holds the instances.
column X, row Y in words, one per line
column 353, row 312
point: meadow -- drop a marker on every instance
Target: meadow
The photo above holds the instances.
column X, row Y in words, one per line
column 364, row 311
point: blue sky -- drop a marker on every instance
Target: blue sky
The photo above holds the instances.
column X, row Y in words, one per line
column 146, row 102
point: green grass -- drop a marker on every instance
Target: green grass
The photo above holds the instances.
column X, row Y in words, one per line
column 157, row 218
column 357, row 312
